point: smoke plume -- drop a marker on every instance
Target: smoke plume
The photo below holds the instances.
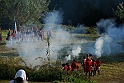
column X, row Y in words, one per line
column 34, row 53
column 110, row 41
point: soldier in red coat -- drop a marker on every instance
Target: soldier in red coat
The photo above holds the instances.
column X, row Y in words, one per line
column 88, row 66
column 93, row 70
column 98, row 62
column 13, row 34
column 67, row 67
column 42, row 34
column 74, row 65
column 84, row 64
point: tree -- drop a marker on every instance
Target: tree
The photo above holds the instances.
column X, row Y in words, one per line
column 119, row 12
column 22, row 10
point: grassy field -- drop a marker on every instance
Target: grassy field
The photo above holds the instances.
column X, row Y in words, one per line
column 112, row 70
column 110, row 73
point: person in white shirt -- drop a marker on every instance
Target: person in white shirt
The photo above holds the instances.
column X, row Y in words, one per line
column 20, row 77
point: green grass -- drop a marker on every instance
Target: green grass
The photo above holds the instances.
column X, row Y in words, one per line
column 112, row 72
column 4, row 32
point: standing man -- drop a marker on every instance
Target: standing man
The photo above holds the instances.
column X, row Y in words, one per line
column 88, row 65
column 93, row 71
column 84, row 64
column 42, row 34
column 98, row 62
column 8, row 34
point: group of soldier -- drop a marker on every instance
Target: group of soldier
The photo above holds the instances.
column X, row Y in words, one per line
column 73, row 67
column 27, row 35
column 89, row 65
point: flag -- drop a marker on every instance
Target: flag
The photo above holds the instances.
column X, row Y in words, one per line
column 15, row 27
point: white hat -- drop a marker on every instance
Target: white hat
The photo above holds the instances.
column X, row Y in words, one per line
column 21, row 73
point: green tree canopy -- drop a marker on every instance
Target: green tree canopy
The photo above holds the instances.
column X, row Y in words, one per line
column 22, row 10
column 119, row 12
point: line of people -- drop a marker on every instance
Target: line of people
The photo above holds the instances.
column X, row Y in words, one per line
column 90, row 65
column 25, row 35
column 73, row 67
column 28, row 35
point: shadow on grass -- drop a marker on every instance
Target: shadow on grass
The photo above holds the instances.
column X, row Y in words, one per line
column 113, row 58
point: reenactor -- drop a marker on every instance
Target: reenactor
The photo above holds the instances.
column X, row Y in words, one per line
column 93, row 67
column 88, row 66
column 8, row 34
column 84, row 64
column 74, row 65
column 98, row 62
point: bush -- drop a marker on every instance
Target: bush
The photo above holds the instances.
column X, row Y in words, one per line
column 45, row 73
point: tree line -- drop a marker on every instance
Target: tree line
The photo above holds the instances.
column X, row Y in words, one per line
column 78, row 12
column 22, row 11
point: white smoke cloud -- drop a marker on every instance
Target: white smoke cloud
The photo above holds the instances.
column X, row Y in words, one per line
column 33, row 53
column 102, row 43
column 29, row 51
column 54, row 17
column 76, row 51
column 68, row 57
column 60, row 36
column 98, row 46
column 108, row 43
column 104, row 24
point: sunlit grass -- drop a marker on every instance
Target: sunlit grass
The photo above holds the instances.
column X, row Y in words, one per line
column 110, row 72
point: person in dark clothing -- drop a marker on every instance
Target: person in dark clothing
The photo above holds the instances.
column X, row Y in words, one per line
column 8, row 35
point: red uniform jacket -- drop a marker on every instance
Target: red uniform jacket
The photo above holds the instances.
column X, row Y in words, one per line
column 94, row 65
column 88, row 65
column 74, row 66
column 66, row 67
column 84, row 64
column 98, row 62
